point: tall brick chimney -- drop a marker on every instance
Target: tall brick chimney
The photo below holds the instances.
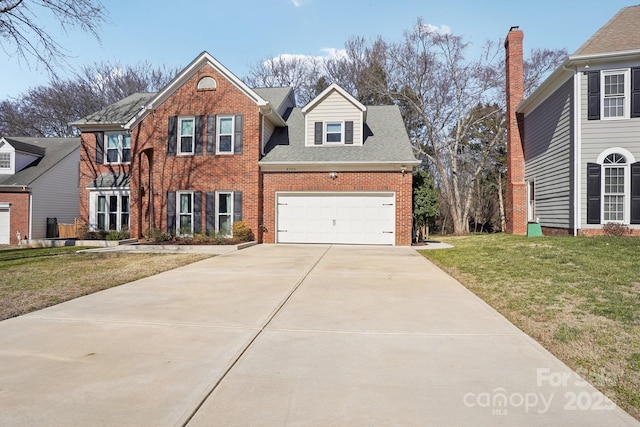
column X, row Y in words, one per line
column 516, row 201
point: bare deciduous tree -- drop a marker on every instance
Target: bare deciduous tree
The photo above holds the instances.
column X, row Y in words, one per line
column 22, row 32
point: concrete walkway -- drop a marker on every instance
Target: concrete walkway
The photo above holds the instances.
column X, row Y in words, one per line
column 279, row 335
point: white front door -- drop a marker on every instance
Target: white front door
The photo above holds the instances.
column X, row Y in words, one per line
column 348, row 218
column 4, row 226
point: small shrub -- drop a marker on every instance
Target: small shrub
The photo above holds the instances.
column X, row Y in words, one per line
column 117, row 235
column 242, row 232
column 156, row 235
column 95, row 235
column 615, row 229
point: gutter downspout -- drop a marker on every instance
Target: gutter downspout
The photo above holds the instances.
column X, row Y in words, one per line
column 30, row 236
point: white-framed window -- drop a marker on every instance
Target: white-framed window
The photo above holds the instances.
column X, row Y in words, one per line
column 615, row 188
column 186, row 135
column 531, row 201
column 5, row 160
column 118, row 148
column 185, row 212
column 224, row 213
column 110, row 211
column 615, row 92
column 333, row 132
column 224, row 140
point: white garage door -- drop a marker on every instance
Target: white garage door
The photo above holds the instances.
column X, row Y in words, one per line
column 4, row 226
column 349, row 218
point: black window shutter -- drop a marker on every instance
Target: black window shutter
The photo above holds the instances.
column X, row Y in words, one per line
column 99, row 147
column 237, row 206
column 237, row 139
column 593, row 94
column 171, row 212
column 199, row 131
column 197, row 212
column 211, row 134
column 348, row 132
column 172, row 143
column 635, row 92
column 318, row 134
column 635, row 193
column 210, row 214
column 594, row 171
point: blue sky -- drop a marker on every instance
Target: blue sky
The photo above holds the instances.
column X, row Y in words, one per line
column 240, row 33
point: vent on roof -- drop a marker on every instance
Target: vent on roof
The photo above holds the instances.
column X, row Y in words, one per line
column 207, row 83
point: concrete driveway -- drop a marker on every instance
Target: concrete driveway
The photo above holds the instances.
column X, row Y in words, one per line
column 280, row 335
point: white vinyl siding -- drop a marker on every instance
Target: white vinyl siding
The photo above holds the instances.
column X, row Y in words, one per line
column 549, row 157
column 334, row 109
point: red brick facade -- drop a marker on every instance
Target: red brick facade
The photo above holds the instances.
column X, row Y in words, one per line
column 18, row 214
column 397, row 182
column 155, row 172
column 516, row 200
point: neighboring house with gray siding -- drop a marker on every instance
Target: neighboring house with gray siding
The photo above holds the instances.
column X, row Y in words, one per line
column 38, row 180
column 579, row 135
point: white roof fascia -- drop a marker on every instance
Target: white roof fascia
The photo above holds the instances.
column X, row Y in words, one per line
column 327, row 91
column 185, row 75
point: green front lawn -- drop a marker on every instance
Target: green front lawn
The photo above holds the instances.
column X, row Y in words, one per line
column 31, row 279
column 578, row 296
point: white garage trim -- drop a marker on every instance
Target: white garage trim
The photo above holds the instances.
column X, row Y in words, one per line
column 5, row 223
column 336, row 217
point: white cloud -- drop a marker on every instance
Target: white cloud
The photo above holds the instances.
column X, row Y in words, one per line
column 328, row 53
column 430, row 29
column 299, row 3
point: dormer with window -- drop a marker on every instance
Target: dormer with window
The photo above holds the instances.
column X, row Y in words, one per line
column 334, row 118
column 16, row 155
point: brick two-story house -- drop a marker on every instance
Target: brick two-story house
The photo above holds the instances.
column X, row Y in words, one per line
column 574, row 143
column 207, row 151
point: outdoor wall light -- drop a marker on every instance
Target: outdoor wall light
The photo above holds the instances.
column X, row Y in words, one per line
column 333, row 175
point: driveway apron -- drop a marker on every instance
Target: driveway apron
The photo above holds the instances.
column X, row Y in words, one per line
column 288, row 335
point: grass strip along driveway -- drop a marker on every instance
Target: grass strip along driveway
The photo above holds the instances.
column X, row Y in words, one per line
column 578, row 296
column 31, row 279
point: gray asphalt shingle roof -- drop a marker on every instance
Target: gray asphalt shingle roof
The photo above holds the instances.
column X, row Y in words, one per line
column 119, row 112
column 618, row 35
column 53, row 151
column 274, row 95
column 386, row 141
column 111, row 180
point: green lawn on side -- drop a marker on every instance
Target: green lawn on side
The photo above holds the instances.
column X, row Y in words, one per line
column 31, row 279
column 578, row 296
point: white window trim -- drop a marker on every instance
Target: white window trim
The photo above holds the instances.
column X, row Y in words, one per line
column 9, row 154
column 233, row 127
column 627, row 93
column 120, row 148
column 630, row 159
column 179, row 213
column 218, row 213
column 179, row 136
column 93, row 208
column 531, row 203
column 324, row 132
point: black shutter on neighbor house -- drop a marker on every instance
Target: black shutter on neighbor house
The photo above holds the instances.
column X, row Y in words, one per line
column 211, row 134
column 237, row 206
column 172, row 143
column 317, row 138
column 171, row 212
column 635, row 92
column 594, row 171
column 593, row 94
column 199, row 131
column 197, row 212
column 348, row 132
column 635, row 193
column 210, row 213
column 237, row 137
column 99, row 147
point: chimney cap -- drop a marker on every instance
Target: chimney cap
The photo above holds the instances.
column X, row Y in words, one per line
column 514, row 28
